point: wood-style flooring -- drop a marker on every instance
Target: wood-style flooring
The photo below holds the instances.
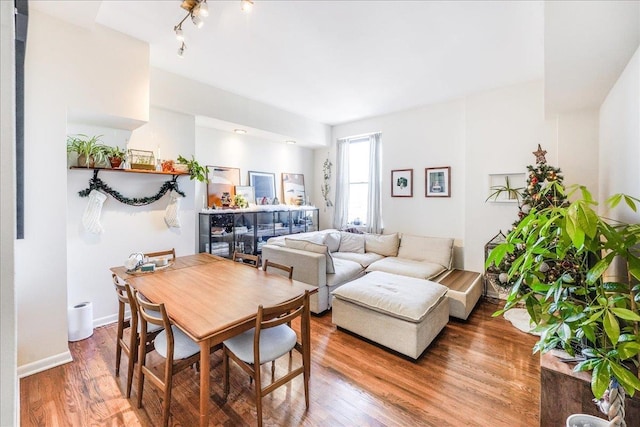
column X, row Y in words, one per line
column 478, row 372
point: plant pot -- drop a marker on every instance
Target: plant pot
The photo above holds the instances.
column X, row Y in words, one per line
column 115, row 162
column 584, row 420
column 82, row 161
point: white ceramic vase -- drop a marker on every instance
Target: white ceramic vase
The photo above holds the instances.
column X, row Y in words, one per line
column 583, row 420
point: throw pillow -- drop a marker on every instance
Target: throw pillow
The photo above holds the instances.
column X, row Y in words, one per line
column 332, row 240
column 382, row 244
column 305, row 245
column 350, row 242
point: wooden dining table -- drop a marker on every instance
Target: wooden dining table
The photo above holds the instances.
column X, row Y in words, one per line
column 212, row 299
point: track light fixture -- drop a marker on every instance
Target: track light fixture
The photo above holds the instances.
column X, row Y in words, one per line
column 197, row 10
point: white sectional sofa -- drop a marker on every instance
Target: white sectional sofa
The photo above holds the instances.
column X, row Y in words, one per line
column 330, row 258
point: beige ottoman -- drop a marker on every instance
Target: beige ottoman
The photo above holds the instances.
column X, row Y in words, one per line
column 402, row 313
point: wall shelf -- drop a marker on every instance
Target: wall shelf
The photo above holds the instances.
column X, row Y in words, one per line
column 154, row 172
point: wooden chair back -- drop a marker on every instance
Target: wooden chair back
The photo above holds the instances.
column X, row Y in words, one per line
column 171, row 252
column 253, row 260
column 285, row 268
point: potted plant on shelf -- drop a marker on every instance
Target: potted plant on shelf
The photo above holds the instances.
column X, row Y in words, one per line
column 196, row 171
column 558, row 256
column 116, row 155
column 90, row 150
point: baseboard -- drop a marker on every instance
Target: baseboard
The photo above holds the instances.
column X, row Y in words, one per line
column 107, row 320
column 44, row 364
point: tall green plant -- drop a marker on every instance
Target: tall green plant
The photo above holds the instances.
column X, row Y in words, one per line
column 577, row 307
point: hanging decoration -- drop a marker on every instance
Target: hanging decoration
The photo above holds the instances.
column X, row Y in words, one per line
column 171, row 213
column 326, row 174
column 91, row 216
column 97, row 184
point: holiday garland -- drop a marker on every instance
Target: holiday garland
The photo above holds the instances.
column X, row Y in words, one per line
column 97, row 184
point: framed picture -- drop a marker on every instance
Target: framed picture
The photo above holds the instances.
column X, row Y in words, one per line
column 248, row 192
column 264, row 184
column 402, row 183
column 438, row 182
column 221, row 180
column 293, row 189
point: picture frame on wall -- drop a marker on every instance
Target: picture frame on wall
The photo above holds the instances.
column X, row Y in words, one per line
column 293, row 191
column 402, row 183
column 247, row 192
column 438, row 182
column 264, row 184
column 222, row 179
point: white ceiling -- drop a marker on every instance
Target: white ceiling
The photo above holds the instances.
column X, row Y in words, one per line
column 339, row 61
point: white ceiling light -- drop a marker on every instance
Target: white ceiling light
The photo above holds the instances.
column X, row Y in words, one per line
column 240, row 131
column 290, row 141
column 246, row 5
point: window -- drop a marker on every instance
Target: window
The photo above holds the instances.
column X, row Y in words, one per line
column 358, row 181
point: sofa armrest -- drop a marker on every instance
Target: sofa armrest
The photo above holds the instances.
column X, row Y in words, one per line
column 308, row 267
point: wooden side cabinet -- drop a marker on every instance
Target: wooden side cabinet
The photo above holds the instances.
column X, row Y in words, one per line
column 564, row 392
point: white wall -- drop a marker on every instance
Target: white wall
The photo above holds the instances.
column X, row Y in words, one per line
column 620, row 140
column 431, row 136
column 63, row 65
column 127, row 229
column 486, row 133
column 10, row 404
column 221, row 148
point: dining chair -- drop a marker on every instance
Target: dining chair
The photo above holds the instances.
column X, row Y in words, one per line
column 270, row 339
column 171, row 252
column 129, row 344
column 285, row 268
column 176, row 349
column 253, row 260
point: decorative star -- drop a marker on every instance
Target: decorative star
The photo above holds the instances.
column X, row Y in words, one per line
column 540, row 155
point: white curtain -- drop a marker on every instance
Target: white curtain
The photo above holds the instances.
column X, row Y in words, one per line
column 341, row 211
column 374, row 207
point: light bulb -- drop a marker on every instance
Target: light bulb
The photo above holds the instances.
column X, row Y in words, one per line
column 197, row 21
column 246, row 5
column 204, row 9
column 179, row 34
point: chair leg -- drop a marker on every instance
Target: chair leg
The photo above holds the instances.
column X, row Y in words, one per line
column 225, row 373
column 118, row 357
column 133, row 355
column 273, row 370
column 259, row 402
column 140, row 379
column 166, row 405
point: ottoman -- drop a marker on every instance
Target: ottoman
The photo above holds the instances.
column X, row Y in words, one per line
column 402, row 313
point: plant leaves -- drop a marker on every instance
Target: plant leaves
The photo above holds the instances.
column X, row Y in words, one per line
column 629, row 349
column 629, row 381
column 600, row 378
column 626, row 314
column 611, row 327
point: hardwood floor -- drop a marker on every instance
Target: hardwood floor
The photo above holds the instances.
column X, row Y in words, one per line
column 476, row 373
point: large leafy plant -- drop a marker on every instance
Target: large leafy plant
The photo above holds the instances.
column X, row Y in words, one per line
column 578, row 308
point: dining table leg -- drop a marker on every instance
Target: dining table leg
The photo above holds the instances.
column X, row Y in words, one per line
column 204, row 383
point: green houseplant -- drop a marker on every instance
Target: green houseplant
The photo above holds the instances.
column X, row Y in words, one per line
column 196, row 171
column 578, row 307
column 116, row 155
column 90, row 150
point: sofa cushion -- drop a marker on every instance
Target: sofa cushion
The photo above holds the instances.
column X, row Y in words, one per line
column 432, row 249
column 364, row 259
column 305, row 245
column 345, row 271
column 350, row 242
column 397, row 296
column 382, row 244
column 407, row 267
